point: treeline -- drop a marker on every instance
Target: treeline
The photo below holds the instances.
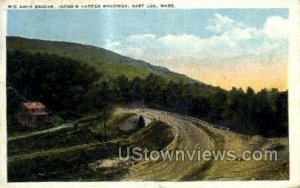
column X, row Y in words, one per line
column 72, row 88
column 264, row 112
column 60, row 83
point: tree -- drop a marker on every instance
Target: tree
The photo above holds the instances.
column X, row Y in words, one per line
column 122, row 89
column 136, row 90
column 100, row 96
column 60, row 83
column 73, row 88
column 152, row 89
column 218, row 104
column 264, row 115
column 200, row 107
column 282, row 114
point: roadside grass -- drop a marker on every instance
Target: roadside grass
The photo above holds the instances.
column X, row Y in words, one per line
column 75, row 164
column 66, row 138
column 174, row 170
column 19, row 130
column 111, row 130
column 156, row 136
column 67, row 166
column 249, row 170
column 97, row 160
column 88, row 131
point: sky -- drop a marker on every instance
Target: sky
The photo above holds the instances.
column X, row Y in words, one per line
column 222, row 47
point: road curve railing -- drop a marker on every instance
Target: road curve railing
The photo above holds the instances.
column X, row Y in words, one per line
column 189, row 118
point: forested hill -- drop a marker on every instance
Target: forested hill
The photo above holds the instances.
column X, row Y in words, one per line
column 71, row 79
column 104, row 60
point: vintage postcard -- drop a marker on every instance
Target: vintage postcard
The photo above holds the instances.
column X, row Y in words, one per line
column 160, row 92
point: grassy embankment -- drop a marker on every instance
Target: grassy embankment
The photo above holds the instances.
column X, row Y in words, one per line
column 80, row 154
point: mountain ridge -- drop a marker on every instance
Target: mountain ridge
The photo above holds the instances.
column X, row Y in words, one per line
column 105, row 60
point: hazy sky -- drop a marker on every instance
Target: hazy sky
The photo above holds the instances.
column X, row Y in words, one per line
column 225, row 47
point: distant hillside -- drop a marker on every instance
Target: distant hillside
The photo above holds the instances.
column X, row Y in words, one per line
column 107, row 61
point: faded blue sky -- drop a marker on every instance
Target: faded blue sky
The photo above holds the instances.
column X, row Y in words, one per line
column 97, row 26
column 224, row 47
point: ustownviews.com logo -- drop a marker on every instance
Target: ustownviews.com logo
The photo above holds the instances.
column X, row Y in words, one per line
column 138, row 154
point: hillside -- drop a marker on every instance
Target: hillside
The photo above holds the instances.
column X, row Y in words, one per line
column 104, row 60
column 63, row 65
column 85, row 157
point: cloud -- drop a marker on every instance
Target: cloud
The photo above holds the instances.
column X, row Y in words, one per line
column 112, row 44
column 141, row 37
column 229, row 40
column 276, row 27
column 221, row 23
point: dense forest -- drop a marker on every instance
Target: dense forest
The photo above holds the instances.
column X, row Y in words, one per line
column 71, row 89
